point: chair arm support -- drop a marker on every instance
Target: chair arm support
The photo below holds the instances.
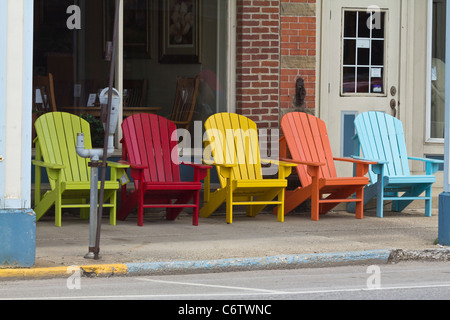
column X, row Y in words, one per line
column 137, row 170
column 200, row 170
column 431, row 165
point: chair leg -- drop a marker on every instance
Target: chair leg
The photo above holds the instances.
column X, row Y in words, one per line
column 195, row 214
column 229, row 205
column 140, row 209
column 359, row 211
column 280, row 213
column 113, row 210
column 58, row 210
column 380, row 196
column 428, row 202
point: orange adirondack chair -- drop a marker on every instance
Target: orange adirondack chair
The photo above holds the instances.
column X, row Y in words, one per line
column 306, row 139
column 147, row 145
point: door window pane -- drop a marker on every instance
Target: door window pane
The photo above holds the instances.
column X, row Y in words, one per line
column 363, row 52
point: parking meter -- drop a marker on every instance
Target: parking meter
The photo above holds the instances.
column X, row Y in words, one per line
column 95, row 155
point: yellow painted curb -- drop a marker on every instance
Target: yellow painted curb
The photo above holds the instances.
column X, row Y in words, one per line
column 90, row 270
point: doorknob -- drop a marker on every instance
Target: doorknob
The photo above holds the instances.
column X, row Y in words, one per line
column 394, row 107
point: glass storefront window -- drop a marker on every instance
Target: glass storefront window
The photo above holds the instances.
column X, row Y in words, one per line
column 162, row 41
column 438, row 70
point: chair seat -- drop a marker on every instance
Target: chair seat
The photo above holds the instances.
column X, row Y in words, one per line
column 351, row 181
column 172, row 186
column 261, row 184
column 86, row 185
column 408, row 180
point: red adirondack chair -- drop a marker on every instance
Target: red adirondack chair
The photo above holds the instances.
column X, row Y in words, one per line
column 306, row 139
column 147, row 148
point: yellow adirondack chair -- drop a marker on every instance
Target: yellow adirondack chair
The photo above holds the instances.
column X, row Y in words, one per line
column 68, row 173
column 232, row 140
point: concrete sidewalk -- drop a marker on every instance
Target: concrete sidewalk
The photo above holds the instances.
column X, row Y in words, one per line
column 162, row 246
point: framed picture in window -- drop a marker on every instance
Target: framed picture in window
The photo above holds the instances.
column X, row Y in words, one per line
column 180, row 30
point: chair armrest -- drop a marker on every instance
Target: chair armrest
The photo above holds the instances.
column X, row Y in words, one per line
column 132, row 165
column 356, row 161
column 426, row 160
column 48, row 165
column 118, row 165
column 197, row 165
column 377, row 161
column 307, row 163
column 281, row 163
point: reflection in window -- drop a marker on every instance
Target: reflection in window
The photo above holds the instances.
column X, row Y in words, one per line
column 438, row 70
column 363, row 52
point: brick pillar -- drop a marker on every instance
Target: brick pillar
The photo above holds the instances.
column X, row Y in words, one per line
column 298, row 52
column 258, row 61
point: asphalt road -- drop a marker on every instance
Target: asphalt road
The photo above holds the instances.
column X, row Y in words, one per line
column 403, row 281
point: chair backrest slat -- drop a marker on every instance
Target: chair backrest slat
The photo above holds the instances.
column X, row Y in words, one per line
column 57, row 135
column 234, row 139
column 381, row 137
column 148, row 140
column 307, row 139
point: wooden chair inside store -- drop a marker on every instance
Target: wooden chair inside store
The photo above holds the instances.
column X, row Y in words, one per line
column 44, row 94
column 134, row 99
column 185, row 100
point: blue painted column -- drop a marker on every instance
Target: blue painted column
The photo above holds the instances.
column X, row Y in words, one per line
column 444, row 198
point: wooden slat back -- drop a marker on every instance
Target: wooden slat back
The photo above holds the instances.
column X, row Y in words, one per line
column 233, row 139
column 185, row 99
column 381, row 137
column 148, row 141
column 57, row 136
column 307, row 140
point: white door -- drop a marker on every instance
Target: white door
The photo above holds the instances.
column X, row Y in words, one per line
column 359, row 65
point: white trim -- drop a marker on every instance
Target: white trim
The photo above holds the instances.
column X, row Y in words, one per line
column 27, row 103
column 428, row 138
column 3, row 41
column 447, row 109
column 231, row 59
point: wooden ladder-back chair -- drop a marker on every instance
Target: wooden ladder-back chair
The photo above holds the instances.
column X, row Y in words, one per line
column 69, row 174
column 306, row 139
column 151, row 153
column 44, row 86
column 381, row 139
column 233, row 142
column 185, row 101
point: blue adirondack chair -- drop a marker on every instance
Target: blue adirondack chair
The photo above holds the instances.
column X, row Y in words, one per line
column 381, row 138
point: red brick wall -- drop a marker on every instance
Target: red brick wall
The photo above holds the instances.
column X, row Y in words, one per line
column 298, row 39
column 258, row 60
column 271, row 36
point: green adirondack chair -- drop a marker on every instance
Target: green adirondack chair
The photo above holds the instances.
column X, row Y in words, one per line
column 68, row 173
column 381, row 139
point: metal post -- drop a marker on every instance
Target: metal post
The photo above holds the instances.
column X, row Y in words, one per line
column 444, row 198
column 93, row 209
